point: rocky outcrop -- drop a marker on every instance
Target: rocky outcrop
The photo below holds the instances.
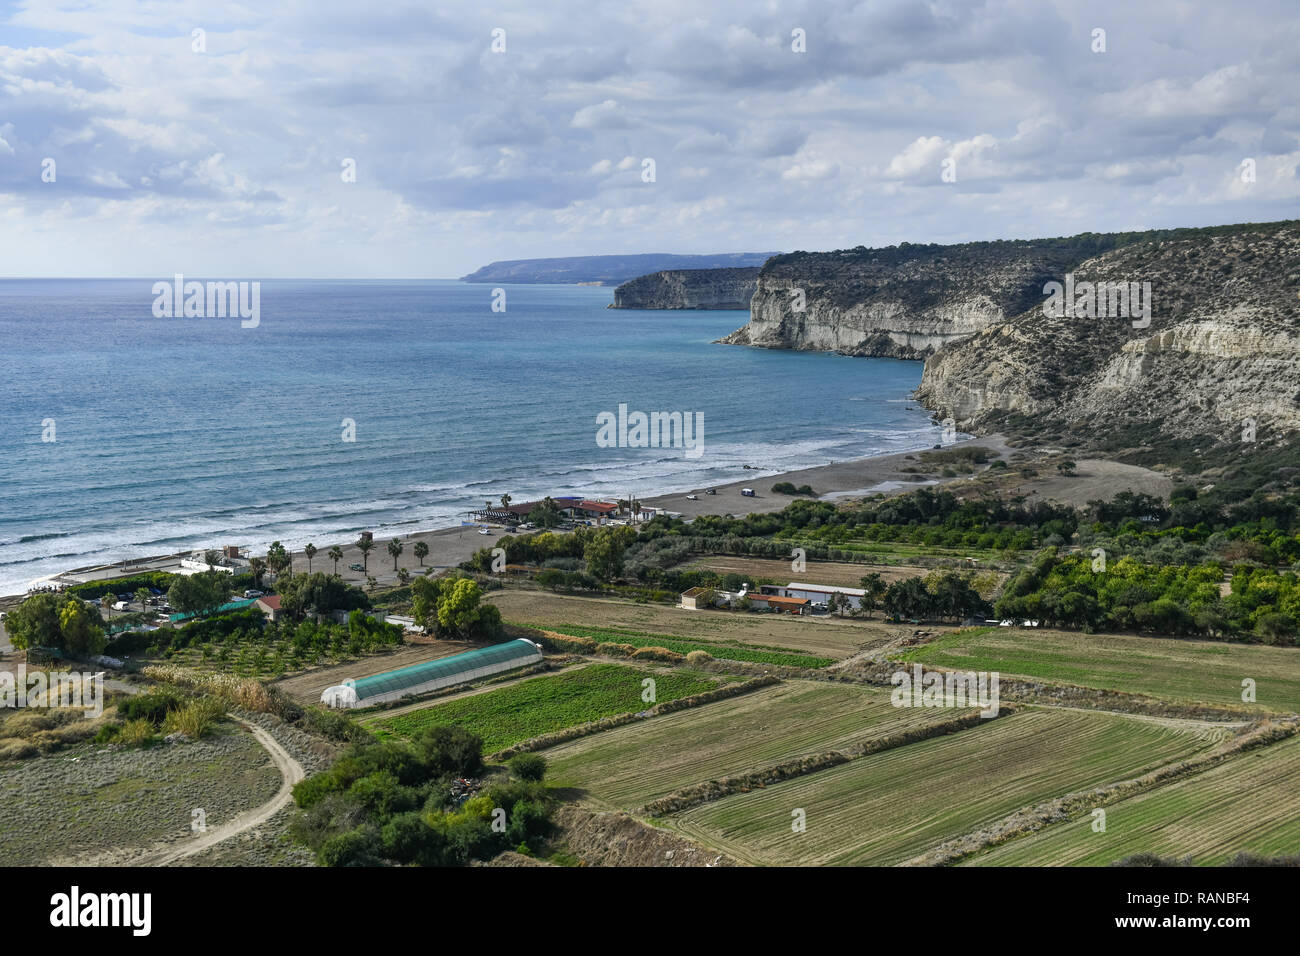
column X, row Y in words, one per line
column 688, row 289
column 1221, row 350
column 904, row 301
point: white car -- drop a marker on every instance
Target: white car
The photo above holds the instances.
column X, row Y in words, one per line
column 692, row 497
column 484, row 531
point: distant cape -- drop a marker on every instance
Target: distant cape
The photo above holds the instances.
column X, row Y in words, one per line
column 607, row 270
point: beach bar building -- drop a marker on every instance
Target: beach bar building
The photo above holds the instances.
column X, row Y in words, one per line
column 433, row 675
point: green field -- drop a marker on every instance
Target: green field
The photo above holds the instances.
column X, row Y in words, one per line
column 542, row 705
column 890, row 806
column 1207, row 672
column 1244, row 804
column 730, row 650
column 627, row 766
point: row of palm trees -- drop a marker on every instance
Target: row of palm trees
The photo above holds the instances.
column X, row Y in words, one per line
column 277, row 559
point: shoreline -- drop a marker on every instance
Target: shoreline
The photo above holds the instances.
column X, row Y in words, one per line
column 834, row 482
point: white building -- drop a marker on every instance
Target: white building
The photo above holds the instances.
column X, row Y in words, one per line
column 817, row 593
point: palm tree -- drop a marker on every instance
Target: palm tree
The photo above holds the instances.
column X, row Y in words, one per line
column 395, row 549
column 505, row 502
column 258, row 567
column 403, row 577
column 366, row 546
column 310, row 551
column 336, row 555
column 142, row 595
column 277, row 558
column 421, row 551
column 106, row 602
column 371, row 582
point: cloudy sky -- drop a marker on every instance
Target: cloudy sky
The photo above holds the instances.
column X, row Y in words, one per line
column 230, row 159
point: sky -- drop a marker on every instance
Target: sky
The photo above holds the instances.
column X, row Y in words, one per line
column 318, row 138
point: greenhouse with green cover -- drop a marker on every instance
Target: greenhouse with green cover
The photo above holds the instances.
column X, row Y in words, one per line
column 433, row 675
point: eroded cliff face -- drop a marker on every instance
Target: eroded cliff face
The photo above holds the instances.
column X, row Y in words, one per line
column 882, row 327
column 900, row 302
column 688, row 289
column 1222, row 349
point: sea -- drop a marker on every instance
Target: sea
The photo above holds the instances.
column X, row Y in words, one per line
column 390, row 406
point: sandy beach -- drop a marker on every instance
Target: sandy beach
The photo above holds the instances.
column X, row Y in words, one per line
column 449, row 546
column 835, row 481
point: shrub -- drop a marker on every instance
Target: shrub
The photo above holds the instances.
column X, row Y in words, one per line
column 137, row 733
column 698, row 657
column 16, row 750
column 450, row 750
column 195, row 719
column 152, row 707
column 107, row 733
column 359, row 847
column 528, row 766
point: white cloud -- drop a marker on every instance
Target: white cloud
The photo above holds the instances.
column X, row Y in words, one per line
column 464, row 155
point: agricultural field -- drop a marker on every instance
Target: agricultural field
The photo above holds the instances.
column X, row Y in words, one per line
column 902, row 554
column 1206, row 672
column 1244, row 804
column 842, row 573
column 888, row 807
column 541, row 705
column 820, row 637
column 627, row 766
column 731, row 651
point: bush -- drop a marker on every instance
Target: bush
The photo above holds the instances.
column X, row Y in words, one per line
column 107, row 733
column 698, row 657
column 152, row 707
column 528, row 766
column 359, row 847
column 450, row 750
column 137, row 733
column 195, row 719
column 16, row 750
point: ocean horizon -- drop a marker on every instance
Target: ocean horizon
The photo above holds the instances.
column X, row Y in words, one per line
column 129, row 435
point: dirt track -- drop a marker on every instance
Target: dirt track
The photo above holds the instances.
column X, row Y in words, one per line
column 290, row 770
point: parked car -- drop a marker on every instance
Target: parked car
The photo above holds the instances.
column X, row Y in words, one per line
column 711, row 491
column 692, row 497
column 747, row 492
column 484, row 531
column 120, row 605
column 357, row 567
column 253, row 593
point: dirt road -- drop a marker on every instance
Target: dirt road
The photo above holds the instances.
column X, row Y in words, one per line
column 290, row 770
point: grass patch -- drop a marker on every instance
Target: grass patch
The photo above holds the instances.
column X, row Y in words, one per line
column 1206, row 672
column 730, row 650
column 543, row 705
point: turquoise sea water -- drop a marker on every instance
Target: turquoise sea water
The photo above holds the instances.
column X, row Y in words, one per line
column 172, row 433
